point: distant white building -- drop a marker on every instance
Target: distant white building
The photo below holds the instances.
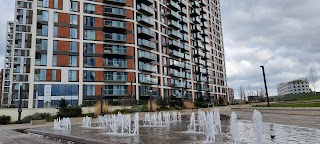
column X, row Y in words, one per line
column 294, row 87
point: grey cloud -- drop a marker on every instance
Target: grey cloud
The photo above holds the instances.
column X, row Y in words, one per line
column 282, row 35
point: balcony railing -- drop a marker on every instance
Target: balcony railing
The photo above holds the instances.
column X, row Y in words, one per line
column 174, row 34
column 122, row 78
column 174, row 24
column 115, row 24
column 174, row 6
column 148, row 80
column 147, row 21
column 145, row 9
column 115, row 50
column 116, row 64
column 147, row 56
column 115, row 92
column 147, row 44
column 175, row 44
column 173, row 15
column 119, row 12
column 146, row 33
column 115, row 37
column 117, row 2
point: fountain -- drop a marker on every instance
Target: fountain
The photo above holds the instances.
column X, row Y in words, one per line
column 120, row 124
column 233, row 127
column 62, row 124
column 192, row 125
column 257, row 125
column 210, row 130
column 86, row 121
column 161, row 119
column 217, row 120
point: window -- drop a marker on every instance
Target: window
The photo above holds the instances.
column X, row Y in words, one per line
column 55, row 17
column 89, row 90
column 89, row 8
column 55, row 45
column 116, row 90
column 73, row 47
column 165, row 82
column 74, row 19
column 89, row 35
column 54, row 75
column 89, row 21
column 89, row 76
column 45, row 16
column 73, row 33
column 73, row 61
column 73, row 75
column 41, row 59
column 42, row 44
column 55, row 4
column 54, row 60
column 43, row 3
column 43, row 74
column 44, row 30
column 89, row 62
column 73, row 6
column 90, row 48
column 116, row 76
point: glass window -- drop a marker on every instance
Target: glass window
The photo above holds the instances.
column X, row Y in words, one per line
column 55, row 45
column 45, row 16
column 73, row 46
column 55, row 17
column 55, row 4
column 44, row 44
column 89, row 8
column 89, row 62
column 90, row 48
column 44, row 30
column 73, row 75
column 74, row 19
column 73, row 61
column 55, row 31
column 54, row 60
column 89, row 90
column 89, row 76
column 89, row 35
column 73, row 6
column 89, row 21
column 54, row 75
column 43, row 59
column 43, row 74
column 73, row 33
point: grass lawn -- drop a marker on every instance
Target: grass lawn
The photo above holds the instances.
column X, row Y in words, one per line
column 292, row 105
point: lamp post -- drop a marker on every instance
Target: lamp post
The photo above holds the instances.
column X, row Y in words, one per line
column 101, row 112
column 150, row 100
column 20, row 104
column 265, row 85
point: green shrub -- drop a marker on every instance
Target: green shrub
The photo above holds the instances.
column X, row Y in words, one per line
column 165, row 108
column 71, row 111
column 36, row 116
column 5, row 119
column 177, row 107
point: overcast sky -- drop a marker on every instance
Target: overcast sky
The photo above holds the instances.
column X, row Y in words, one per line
column 282, row 35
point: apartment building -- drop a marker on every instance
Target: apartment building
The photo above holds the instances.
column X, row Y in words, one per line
column 294, row 87
column 81, row 49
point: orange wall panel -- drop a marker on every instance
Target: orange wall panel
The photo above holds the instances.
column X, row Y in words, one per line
column 64, row 18
column 99, row 9
column 99, row 76
column 60, row 4
column 63, row 46
column 99, row 22
column 129, row 3
column 64, row 32
column 130, row 51
column 131, row 77
column 130, row 63
column 62, row 60
column 130, row 38
column 49, row 74
column 99, row 62
column 99, row 35
column 99, row 49
column 129, row 14
column 58, row 75
column 129, row 26
column 98, row 90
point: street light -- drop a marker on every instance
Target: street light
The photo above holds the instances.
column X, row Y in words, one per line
column 101, row 113
column 150, row 100
column 265, row 84
column 20, row 104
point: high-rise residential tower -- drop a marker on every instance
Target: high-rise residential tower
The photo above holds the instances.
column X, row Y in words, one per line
column 80, row 49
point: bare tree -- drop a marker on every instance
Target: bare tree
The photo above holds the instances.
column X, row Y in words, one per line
column 313, row 77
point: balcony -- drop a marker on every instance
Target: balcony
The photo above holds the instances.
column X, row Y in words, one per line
column 195, row 20
column 116, row 64
column 116, row 78
column 174, row 24
column 186, row 57
column 196, row 36
column 185, row 48
column 174, row 6
column 195, row 28
column 115, row 37
column 204, row 25
column 204, row 17
column 174, row 34
column 195, row 53
column 147, row 44
column 183, row 20
column 146, row 56
column 145, row 9
column 146, row 33
column 203, row 3
column 177, row 85
column 204, row 57
column 183, row 3
column 175, row 44
column 206, row 40
column 117, row 2
column 115, row 12
column 194, row 13
column 187, row 66
column 176, row 54
column 206, row 89
column 147, row 67
column 204, row 79
column 184, row 29
column 173, row 15
column 148, row 80
column 195, row 4
column 203, row 11
column 203, row 71
column 115, row 50
column 112, row 24
column 145, row 20
column 175, row 73
column 147, row 2
column 185, row 38
column 176, row 64
column 183, row 12
column 116, row 92
column 205, row 33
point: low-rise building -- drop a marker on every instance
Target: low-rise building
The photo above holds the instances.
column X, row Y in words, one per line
column 294, row 87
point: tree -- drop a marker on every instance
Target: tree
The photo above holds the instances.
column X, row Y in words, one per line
column 313, row 77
